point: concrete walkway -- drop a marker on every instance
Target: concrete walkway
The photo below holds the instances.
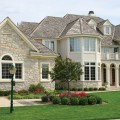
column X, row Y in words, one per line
column 5, row 102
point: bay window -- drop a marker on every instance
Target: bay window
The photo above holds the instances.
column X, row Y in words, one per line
column 74, row 45
column 89, row 44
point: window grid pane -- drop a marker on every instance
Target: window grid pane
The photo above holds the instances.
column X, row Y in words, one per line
column 5, row 71
column 45, row 69
column 18, row 74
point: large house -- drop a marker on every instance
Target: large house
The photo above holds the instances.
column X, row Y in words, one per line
column 32, row 48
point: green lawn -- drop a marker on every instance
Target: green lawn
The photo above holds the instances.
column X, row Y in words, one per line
column 60, row 112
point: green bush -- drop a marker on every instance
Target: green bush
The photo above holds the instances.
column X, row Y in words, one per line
column 74, row 89
column 83, row 101
column 36, row 88
column 99, row 100
column 95, row 89
column 23, row 92
column 5, row 93
column 80, row 89
column 86, row 89
column 74, row 101
column 45, row 99
column 51, row 98
column 56, row 100
column 91, row 89
column 58, row 86
column 102, row 89
column 65, row 101
column 92, row 100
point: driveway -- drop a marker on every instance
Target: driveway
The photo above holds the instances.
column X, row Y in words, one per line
column 5, row 102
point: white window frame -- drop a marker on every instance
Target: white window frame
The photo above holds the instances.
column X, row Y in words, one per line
column 89, row 70
column 41, row 79
column 51, row 40
column 78, row 45
column 105, row 30
column 88, row 46
column 13, row 62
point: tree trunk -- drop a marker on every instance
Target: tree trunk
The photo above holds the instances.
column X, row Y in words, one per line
column 68, row 87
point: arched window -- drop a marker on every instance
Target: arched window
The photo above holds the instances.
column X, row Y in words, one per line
column 6, row 63
column 6, row 57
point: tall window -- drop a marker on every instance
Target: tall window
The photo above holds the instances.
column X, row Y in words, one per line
column 89, row 71
column 45, row 69
column 50, row 45
column 98, row 45
column 89, row 44
column 6, row 64
column 98, row 71
column 74, row 45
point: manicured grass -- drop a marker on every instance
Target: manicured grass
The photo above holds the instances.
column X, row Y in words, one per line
column 61, row 112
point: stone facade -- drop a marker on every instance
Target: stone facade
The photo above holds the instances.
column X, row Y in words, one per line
column 12, row 44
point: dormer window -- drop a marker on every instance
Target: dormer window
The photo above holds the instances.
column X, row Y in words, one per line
column 107, row 30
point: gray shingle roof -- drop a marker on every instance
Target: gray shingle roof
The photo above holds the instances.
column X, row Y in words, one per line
column 117, row 32
column 43, row 50
column 50, row 27
column 70, row 24
column 27, row 27
column 78, row 27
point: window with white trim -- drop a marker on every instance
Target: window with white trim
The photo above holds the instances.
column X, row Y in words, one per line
column 6, row 63
column 45, row 69
column 50, row 44
column 98, row 71
column 89, row 71
column 107, row 30
column 74, row 45
column 89, row 44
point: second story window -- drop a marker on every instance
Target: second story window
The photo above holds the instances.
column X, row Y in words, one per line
column 50, row 45
column 107, row 30
column 74, row 45
column 89, row 44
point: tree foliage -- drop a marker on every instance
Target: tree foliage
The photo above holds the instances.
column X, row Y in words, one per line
column 65, row 70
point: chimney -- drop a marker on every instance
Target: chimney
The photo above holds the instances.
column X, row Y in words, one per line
column 91, row 13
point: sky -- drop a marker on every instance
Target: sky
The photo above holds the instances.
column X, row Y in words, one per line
column 36, row 10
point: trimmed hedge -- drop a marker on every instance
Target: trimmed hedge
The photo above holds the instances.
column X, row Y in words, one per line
column 65, row 101
column 45, row 99
column 74, row 101
column 56, row 100
column 92, row 100
column 83, row 101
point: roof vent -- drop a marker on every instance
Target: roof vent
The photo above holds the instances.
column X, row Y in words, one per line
column 91, row 13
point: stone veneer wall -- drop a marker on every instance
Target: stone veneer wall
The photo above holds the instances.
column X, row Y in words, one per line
column 11, row 43
column 82, row 84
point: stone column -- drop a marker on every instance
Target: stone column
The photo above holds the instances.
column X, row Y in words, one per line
column 108, row 75
column 117, row 77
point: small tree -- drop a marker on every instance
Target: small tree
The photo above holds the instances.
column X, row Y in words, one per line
column 65, row 70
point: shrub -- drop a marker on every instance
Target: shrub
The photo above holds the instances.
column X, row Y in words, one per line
column 80, row 89
column 45, row 99
column 83, row 101
column 36, row 88
column 74, row 89
column 51, row 98
column 5, row 93
column 95, row 89
column 23, row 92
column 58, row 86
column 56, row 100
column 86, row 89
column 99, row 100
column 91, row 89
column 92, row 100
column 65, row 101
column 102, row 89
column 74, row 101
